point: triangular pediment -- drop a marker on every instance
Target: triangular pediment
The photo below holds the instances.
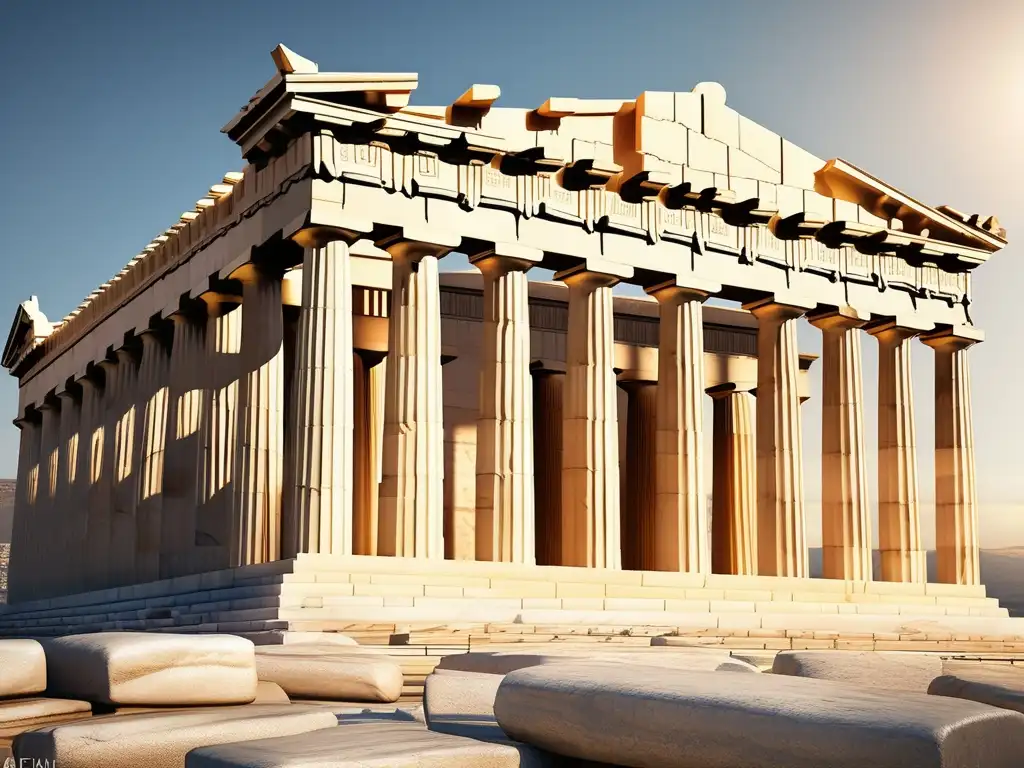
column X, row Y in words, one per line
column 29, row 327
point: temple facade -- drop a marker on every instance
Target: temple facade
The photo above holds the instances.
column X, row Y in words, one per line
column 287, row 372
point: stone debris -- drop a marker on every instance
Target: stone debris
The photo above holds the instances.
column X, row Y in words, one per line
column 873, row 669
column 157, row 669
column 19, row 715
column 462, row 703
column 503, row 662
column 162, row 739
column 22, row 668
column 634, row 715
column 332, row 672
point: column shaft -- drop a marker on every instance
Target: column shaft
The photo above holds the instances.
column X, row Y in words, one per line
column 101, row 495
column 89, row 476
column 44, row 521
column 781, row 535
column 590, row 432
column 126, row 421
column 845, row 517
column 64, row 546
column 639, row 524
column 322, row 422
column 899, row 522
column 734, row 491
column 258, row 461
column 411, row 511
column 154, row 370
column 19, row 576
column 369, row 382
column 504, row 456
column 680, row 535
column 956, row 495
column 548, row 388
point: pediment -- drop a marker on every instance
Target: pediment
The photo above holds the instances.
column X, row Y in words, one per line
column 29, row 327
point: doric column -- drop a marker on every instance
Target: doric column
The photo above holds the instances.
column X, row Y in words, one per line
column 322, row 422
column 369, row 378
column 126, row 417
column 590, row 430
column 956, row 494
column 504, row 436
column 99, row 571
column 548, row 388
column 154, row 371
column 19, row 572
column 734, row 481
column 781, row 535
column 411, row 511
column 64, row 546
column 845, row 516
column 41, row 534
column 88, row 485
column 899, row 522
column 260, row 453
column 212, row 535
column 680, row 535
column 638, row 517
column 186, row 397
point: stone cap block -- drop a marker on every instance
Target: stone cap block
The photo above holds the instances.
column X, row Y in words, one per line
column 332, row 672
column 634, row 715
column 998, row 685
column 158, row 669
column 22, row 667
column 896, row 671
column 20, row 715
column 162, row 739
column 504, row 662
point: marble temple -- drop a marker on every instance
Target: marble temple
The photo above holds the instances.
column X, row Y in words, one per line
column 284, row 385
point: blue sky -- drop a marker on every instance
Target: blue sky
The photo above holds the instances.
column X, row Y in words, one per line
column 111, row 114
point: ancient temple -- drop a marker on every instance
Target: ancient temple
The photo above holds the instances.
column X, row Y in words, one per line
column 286, row 377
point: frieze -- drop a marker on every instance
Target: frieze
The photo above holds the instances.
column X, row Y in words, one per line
column 859, row 267
column 433, row 178
column 718, row 235
column 488, row 187
column 817, row 258
column 766, row 247
column 898, row 273
column 677, row 225
column 617, row 215
column 553, row 201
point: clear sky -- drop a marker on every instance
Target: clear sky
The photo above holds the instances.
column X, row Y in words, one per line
column 111, row 114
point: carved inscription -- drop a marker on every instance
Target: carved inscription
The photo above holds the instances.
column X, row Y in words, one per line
column 817, row 255
column 622, row 215
column 720, row 233
column 675, row 224
column 556, row 201
column 896, row 270
column 498, row 189
column 858, row 263
column 434, row 178
column 767, row 246
column 953, row 283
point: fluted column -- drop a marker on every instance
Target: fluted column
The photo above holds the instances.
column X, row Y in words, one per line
column 781, row 534
column 845, row 516
column 186, row 397
column 101, row 495
column 734, row 481
column 899, row 521
column 44, row 521
column 680, row 535
column 638, row 516
column 411, row 506
column 259, row 458
column 154, row 370
column 64, row 547
column 219, row 434
column 956, row 494
column 369, row 378
column 504, row 443
column 548, row 389
column 91, row 438
column 323, row 419
column 19, row 576
column 126, row 418
column 590, row 431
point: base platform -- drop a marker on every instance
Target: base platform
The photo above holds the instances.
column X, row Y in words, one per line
column 459, row 604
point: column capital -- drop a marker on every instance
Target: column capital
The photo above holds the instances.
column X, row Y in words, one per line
column 501, row 258
column 731, row 388
column 348, row 230
column 684, row 287
column 780, row 306
column 30, row 416
column 953, row 338
column 546, row 366
column 897, row 330
column 836, row 318
column 596, row 272
column 419, row 241
column 252, row 272
column 632, row 381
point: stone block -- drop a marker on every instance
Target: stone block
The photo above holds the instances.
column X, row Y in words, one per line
column 998, row 685
column 162, row 739
column 22, row 668
column 460, row 703
column 270, row 693
column 760, row 143
column 663, row 139
column 706, row 154
column 330, row 672
column 365, row 742
column 155, row 669
column 871, row 669
column 20, row 715
column 681, row 657
column 799, row 166
column 631, row 715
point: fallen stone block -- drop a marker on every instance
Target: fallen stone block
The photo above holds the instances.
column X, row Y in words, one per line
column 162, row 739
column 462, row 703
column 158, row 669
column 894, row 671
column 20, row 715
column 503, row 662
column 383, row 744
column 22, row 668
column 330, row 672
column 270, row 693
column 636, row 715
column 998, row 685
